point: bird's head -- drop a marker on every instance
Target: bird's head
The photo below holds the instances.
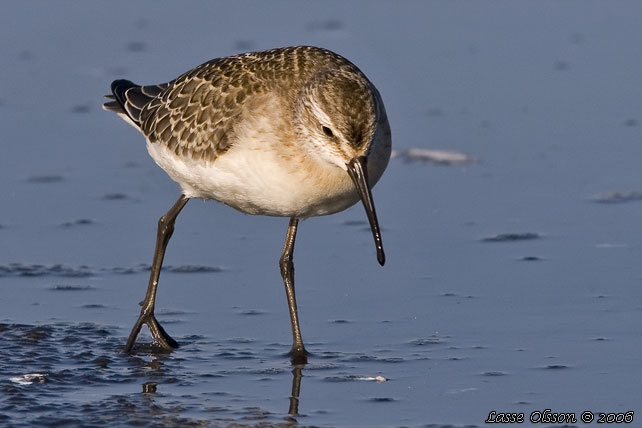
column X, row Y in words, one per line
column 340, row 117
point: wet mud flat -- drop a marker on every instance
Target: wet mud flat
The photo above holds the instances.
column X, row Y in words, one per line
column 363, row 371
column 510, row 215
column 66, row 374
column 77, row 375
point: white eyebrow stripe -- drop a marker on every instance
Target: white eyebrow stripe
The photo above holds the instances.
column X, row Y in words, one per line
column 320, row 114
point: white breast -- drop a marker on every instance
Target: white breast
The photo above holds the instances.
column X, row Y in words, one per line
column 267, row 171
column 264, row 172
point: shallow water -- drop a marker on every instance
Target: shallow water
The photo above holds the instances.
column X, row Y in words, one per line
column 513, row 275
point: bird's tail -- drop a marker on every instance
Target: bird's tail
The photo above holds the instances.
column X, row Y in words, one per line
column 128, row 99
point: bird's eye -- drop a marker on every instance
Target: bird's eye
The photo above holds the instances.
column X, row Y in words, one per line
column 327, row 131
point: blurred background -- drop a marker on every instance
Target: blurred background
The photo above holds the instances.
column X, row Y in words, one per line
column 510, row 212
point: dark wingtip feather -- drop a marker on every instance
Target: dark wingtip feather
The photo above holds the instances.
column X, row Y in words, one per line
column 130, row 98
column 113, row 106
column 119, row 87
column 121, row 104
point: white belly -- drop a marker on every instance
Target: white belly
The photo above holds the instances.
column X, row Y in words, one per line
column 255, row 180
column 267, row 172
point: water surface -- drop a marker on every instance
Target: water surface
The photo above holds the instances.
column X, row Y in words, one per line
column 512, row 280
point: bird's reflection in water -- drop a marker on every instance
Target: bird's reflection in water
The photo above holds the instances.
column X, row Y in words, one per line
column 150, row 388
column 296, row 390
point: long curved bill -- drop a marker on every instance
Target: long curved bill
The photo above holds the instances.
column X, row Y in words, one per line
column 358, row 170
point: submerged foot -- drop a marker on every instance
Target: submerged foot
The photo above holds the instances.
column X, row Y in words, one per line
column 160, row 336
column 298, row 356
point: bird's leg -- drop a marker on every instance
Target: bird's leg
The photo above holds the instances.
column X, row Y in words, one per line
column 296, row 391
column 165, row 230
column 297, row 353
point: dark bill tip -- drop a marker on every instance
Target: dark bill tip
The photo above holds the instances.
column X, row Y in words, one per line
column 358, row 170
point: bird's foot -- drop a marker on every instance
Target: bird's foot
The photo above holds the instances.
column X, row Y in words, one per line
column 298, row 355
column 160, row 336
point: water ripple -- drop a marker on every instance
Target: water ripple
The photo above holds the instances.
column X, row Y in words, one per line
column 82, row 271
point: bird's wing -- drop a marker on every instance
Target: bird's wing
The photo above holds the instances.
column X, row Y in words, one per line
column 195, row 116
